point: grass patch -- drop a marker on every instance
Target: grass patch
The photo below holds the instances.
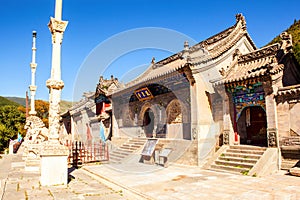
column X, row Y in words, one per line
column 245, row 172
column 26, row 195
column 50, row 193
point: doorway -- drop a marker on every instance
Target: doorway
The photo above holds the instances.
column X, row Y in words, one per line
column 252, row 126
column 148, row 123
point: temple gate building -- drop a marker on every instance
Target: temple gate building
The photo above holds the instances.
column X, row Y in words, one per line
column 223, row 91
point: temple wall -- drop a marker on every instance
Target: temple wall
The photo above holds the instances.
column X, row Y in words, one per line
column 175, row 117
column 288, row 112
column 175, row 131
column 283, row 117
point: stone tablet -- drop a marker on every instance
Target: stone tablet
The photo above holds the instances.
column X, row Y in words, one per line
column 149, row 147
column 165, row 152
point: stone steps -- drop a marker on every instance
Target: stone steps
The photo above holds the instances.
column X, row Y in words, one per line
column 126, row 149
column 238, row 159
column 228, row 169
column 287, row 164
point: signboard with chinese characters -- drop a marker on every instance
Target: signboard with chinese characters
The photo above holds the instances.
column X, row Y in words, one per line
column 143, row 94
column 149, row 147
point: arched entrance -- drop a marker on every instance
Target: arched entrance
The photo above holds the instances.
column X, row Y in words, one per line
column 148, row 123
column 252, row 126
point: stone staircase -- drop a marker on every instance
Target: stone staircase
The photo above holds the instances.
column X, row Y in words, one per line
column 125, row 150
column 238, row 159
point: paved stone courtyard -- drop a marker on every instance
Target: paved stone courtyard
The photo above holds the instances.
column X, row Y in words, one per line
column 141, row 181
column 17, row 184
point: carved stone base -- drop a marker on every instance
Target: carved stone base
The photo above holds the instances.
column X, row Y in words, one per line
column 54, row 164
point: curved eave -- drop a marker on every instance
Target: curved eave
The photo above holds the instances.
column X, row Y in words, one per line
column 150, row 79
column 289, row 90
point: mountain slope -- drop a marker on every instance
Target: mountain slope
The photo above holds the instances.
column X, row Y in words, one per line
column 19, row 100
column 64, row 105
column 4, row 101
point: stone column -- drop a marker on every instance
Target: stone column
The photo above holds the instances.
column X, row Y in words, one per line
column 271, row 112
column 33, row 66
column 228, row 134
column 54, row 163
column 272, row 128
column 55, row 84
column 194, row 112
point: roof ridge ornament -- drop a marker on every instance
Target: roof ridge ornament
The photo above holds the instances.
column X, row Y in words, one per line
column 286, row 42
column 240, row 18
column 186, row 45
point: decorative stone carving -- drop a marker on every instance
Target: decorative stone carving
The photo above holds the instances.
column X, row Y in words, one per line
column 222, row 71
column 57, row 26
column 195, row 133
column 240, row 18
column 226, row 137
column 272, row 138
column 36, row 130
column 267, row 85
column 236, row 54
column 33, row 66
column 55, row 84
column 32, row 88
column 286, row 42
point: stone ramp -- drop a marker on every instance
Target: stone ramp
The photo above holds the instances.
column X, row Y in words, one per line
column 239, row 159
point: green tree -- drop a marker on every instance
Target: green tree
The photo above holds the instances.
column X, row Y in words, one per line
column 12, row 121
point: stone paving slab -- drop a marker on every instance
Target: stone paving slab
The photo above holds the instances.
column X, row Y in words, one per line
column 137, row 181
column 178, row 182
column 18, row 184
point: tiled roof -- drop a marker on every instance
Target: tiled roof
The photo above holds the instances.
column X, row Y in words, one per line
column 215, row 46
column 155, row 71
column 254, row 64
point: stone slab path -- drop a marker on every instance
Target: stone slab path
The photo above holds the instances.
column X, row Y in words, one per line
column 178, row 182
column 137, row 181
column 17, row 184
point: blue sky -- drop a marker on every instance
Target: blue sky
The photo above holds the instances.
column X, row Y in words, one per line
column 94, row 22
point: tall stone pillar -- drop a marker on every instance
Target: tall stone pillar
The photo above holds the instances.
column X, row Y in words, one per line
column 55, row 84
column 33, row 66
column 54, row 164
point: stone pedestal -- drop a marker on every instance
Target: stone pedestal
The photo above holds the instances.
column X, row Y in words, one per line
column 54, row 164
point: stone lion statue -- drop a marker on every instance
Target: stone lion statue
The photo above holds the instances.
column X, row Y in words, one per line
column 36, row 130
